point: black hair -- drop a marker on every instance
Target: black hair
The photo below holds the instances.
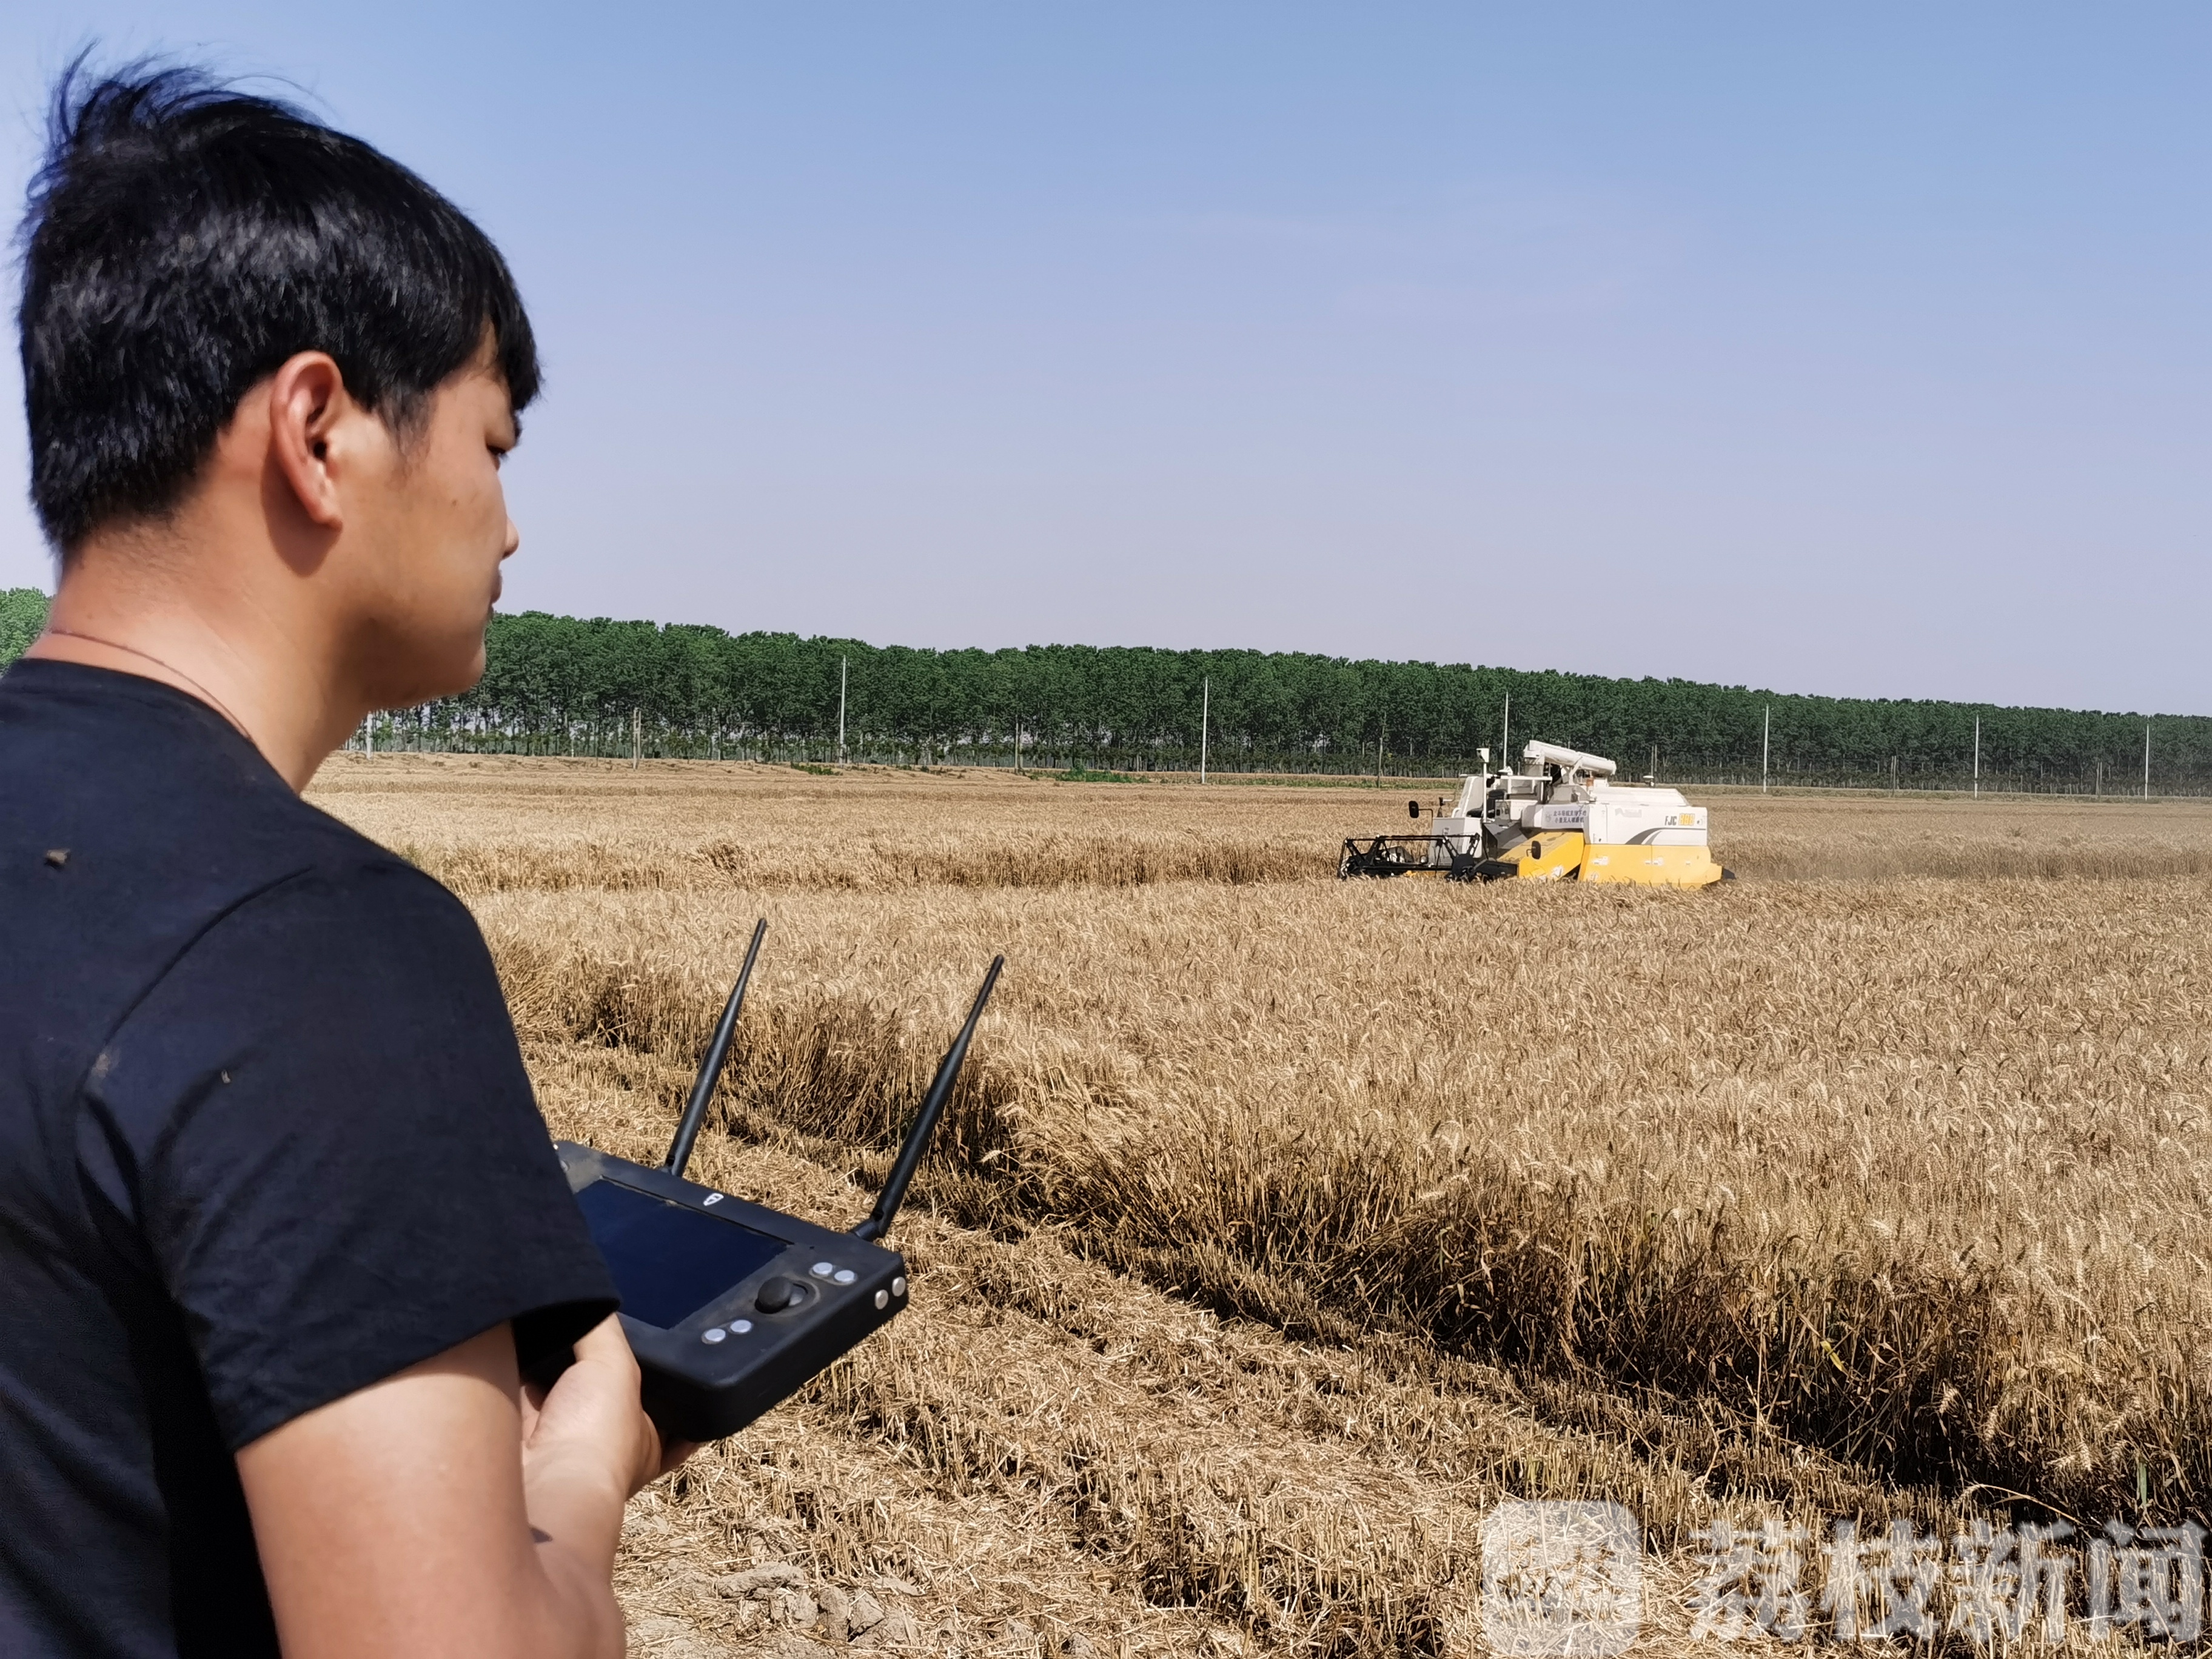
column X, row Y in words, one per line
column 183, row 240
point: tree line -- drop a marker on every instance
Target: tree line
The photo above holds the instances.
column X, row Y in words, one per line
column 563, row 684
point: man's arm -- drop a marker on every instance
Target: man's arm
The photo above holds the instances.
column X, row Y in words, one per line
column 401, row 1521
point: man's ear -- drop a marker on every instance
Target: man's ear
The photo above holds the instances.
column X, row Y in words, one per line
column 309, row 425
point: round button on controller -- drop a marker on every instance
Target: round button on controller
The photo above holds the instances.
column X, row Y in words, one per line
column 740, row 1327
column 822, row 1270
column 898, row 1285
column 714, row 1335
column 845, row 1275
column 882, row 1298
column 778, row 1294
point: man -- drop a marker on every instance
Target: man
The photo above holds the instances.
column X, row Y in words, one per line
column 281, row 1231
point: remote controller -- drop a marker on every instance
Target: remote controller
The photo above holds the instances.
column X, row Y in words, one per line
column 730, row 1306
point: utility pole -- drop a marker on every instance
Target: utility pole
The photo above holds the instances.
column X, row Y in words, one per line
column 1655, row 762
column 1765, row 748
column 367, row 733
column 1381, row 732
column 1017, row 745
column 1893, row 774
column 636, row 738
column 1977, row 757
column 1506, row 737
column 1205, row 715
column 840, row 710
column 2145, row 760
column 2097, row 788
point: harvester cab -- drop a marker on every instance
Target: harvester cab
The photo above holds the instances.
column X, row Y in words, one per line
column 1562, row 818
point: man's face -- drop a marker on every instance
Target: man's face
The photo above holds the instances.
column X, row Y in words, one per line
column 434, row 531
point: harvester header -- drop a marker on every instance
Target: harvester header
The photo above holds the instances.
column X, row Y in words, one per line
column 1563, row 818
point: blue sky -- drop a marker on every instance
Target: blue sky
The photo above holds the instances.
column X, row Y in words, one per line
column 1859, row 349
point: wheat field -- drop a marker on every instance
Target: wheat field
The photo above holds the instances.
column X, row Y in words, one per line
column 1282, row 1226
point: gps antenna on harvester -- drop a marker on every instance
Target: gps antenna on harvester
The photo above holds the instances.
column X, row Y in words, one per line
column 933, row 1107
column 710, row 1068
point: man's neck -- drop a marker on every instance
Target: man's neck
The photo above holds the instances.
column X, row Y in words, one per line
column 246, row 664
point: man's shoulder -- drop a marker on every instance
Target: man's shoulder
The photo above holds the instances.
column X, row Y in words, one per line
column 136, row 826
column 309, row 851
column 139, row 801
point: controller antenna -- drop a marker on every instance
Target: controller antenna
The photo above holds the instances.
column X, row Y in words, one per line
column 933, row 1107
column 710, row 1068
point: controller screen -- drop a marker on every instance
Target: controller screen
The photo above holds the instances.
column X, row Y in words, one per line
column 668, row 1259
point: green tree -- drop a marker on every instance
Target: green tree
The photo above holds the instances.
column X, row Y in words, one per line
column 22, row 615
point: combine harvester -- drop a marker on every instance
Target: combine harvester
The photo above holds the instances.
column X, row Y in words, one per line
column 1563, row 819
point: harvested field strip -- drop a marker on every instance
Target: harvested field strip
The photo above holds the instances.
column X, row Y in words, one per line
column 1050, row 859
column 1054, row 860
column 1932, row 1203
column 862, row 863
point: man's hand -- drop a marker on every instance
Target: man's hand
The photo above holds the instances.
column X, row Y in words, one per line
column 592, row 1405
column 440, row 1512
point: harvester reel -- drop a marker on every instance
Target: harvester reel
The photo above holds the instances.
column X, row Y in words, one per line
column 1379, row 856
column 1399, row 855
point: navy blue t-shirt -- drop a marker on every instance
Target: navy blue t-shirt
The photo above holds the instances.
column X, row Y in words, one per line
column 265, row 1138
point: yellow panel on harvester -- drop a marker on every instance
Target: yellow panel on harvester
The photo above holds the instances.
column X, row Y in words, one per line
column 1553, row 857
column 1652, row 867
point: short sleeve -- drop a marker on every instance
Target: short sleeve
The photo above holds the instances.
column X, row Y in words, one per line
column 319, row 1122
